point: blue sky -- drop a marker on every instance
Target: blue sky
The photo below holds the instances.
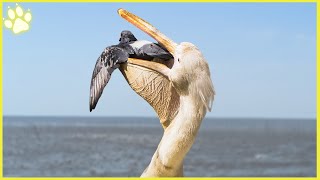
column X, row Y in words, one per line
column 262, row 57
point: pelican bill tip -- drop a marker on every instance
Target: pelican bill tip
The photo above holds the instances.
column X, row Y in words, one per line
column 121, row 11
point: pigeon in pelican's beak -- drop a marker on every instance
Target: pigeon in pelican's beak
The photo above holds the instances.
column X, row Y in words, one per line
column 164, row 41
column 112, row 56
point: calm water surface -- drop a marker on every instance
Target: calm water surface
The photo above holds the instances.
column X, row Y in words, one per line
column 72, row 146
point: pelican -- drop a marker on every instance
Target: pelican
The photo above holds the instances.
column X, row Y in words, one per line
column 181, row 92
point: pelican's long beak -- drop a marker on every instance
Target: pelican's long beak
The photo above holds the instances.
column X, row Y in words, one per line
column 150, row 79
column 154, row 33
column 149, row 29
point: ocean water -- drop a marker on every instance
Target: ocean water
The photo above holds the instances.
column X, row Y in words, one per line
column 114, row 146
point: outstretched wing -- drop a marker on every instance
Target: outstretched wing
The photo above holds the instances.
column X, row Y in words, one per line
column 109, row 60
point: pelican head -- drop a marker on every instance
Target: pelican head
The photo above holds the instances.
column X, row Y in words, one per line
column 190, row 74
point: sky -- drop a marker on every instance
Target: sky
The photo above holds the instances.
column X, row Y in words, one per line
column 262, row 57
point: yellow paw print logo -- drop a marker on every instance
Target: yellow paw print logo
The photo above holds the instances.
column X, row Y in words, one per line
column 18, row 21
